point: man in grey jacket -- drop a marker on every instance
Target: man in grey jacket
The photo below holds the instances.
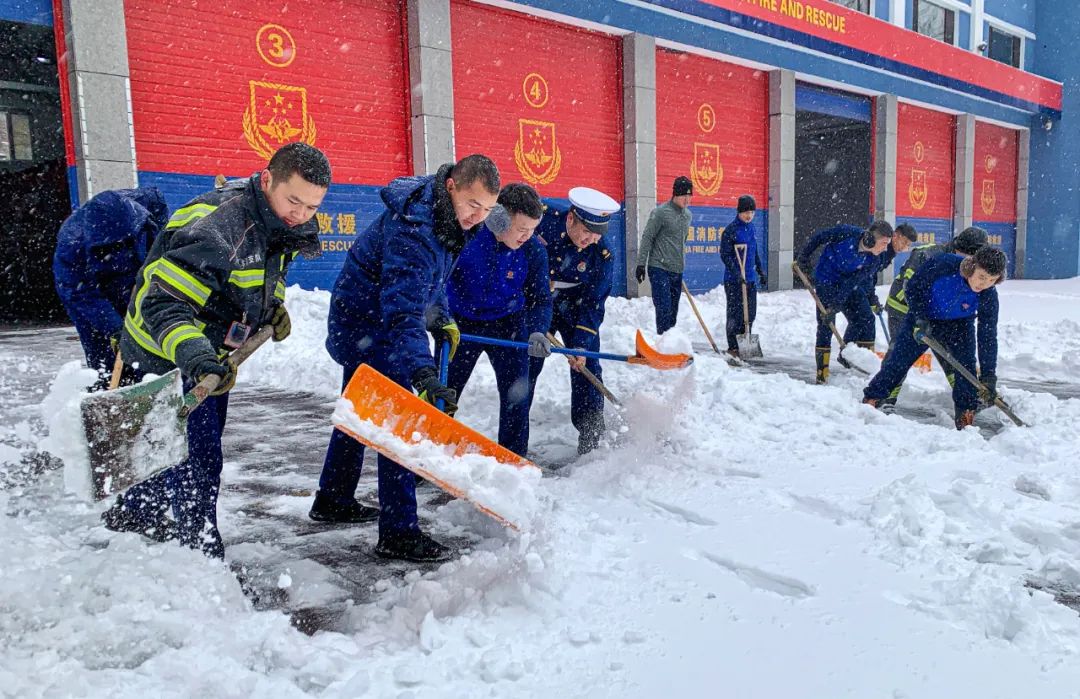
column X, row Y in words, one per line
column 662, row 250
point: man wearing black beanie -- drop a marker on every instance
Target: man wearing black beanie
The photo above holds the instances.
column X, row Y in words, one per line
column 663, row 249
column 741, row 232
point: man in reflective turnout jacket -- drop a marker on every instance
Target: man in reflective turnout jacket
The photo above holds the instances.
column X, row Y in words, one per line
column 204, row 289
column 944, row 298
column 99, row 250
column 499, row 289
column 582, row 269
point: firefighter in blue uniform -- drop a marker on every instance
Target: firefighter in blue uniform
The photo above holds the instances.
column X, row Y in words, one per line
column 389, row 295
column 904, row 236
column 204, row 289
column 500, row 289
column 581, row 273
column 99, row 251
column 844, row 274
column 741, row 231
column 944, row 297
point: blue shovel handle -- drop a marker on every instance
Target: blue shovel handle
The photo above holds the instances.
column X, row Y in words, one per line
column 444, row 370
column 555, row 350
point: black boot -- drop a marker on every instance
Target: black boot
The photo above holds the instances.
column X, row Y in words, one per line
column 590, row 429
column 119, row 519
column 821, row 358
column 327, row 509
column 411, row 546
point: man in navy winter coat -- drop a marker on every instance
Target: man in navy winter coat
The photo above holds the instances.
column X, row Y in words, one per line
column 944, row 297
column 845, row 271
column 581, row 271
column 389, row 294
column 499, row 289
column 99, row 251
column 741, row 231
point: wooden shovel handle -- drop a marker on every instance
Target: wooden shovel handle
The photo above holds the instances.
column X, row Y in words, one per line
column 194, row 398
column 591, row 377
column 693, row 305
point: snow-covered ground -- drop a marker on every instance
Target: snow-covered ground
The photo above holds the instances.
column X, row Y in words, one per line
column 741, row 534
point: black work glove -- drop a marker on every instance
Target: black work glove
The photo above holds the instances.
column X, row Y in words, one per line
column 281, row 323
column 225, row 368
column 639, row 274
column 444, row 329
column 922, row 331
column 539, row 345
column 762, row 280
column 875, row 303
column 988, row 394
column 430, row 389
column 829, row 316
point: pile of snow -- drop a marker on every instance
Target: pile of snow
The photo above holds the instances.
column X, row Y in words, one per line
column 742, row 531
column 65, row 438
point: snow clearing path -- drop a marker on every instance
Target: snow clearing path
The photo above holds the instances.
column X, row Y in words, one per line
column 741, row 533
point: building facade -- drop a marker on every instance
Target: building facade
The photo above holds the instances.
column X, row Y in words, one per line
column 940, row 113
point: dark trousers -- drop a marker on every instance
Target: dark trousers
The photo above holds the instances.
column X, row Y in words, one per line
column 345, row 458
column 666, row 291
column 735, row 325
column 896, row 324
column 190, row 488
column 856, row 309
column 957, row 336
column 511, row 375
column 586, row 403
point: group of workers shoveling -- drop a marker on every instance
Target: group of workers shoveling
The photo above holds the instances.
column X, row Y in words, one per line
column 454, row 255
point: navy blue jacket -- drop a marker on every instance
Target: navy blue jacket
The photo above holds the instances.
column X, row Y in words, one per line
column 739, row 232
column 581, row 279
column 491, row 281
column 395, row 272
column 841, row 268
column 99, row 251
column 938, row 291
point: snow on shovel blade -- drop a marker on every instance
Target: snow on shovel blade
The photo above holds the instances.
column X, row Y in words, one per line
column 749, row 346
column 381, row 414
column 133, row 433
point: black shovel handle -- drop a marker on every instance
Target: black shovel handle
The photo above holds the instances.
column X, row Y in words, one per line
column 962, row 370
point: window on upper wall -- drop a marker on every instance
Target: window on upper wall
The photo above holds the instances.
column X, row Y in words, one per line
column 934, row 21
column 1004, row 47
column 15, row 137
column 862, row 6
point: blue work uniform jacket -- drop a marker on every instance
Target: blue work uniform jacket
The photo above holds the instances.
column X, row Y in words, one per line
column 842, row 268
column 738, row 232
column 580, row 279
column 937, row 291
column 99, row 250
column 491, row 281
column 396, row 270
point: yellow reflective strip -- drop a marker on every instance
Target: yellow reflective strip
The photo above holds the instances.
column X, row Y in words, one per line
column 588, row 330
column 182, row 281
column 247, row 278
column 148, row 271
column 279, row 290
column 175, row 336
column 141, row 338
column 893, row 303
column 184, row 216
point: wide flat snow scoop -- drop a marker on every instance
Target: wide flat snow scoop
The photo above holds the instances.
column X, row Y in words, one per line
column 393, row 422
column 748, row 343
column 137, row 431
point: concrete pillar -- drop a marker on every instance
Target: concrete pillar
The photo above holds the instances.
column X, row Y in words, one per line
column 964, row 185
column 100, row 86
column 1023, row 169
column 639, row 146
column 885, row 111
column 781, row 178
column 432, row 84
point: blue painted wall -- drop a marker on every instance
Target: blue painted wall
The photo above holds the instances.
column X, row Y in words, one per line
column 881, row 9
column 1018, row 12
column 704, row 270
column 1053, row 234
column 27, row 11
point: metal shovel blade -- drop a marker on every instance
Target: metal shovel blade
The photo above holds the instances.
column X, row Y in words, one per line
column 749, row 346
column 133, row 433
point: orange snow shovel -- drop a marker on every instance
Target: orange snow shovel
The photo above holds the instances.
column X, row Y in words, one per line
column 391, row 408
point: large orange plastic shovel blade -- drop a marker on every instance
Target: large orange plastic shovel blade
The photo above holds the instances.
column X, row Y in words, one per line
column 387, row 405
column 657, row 360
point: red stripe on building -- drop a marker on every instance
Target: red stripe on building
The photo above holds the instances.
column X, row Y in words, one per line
column 65, row 85
column 712, row 125
column 541, row 99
